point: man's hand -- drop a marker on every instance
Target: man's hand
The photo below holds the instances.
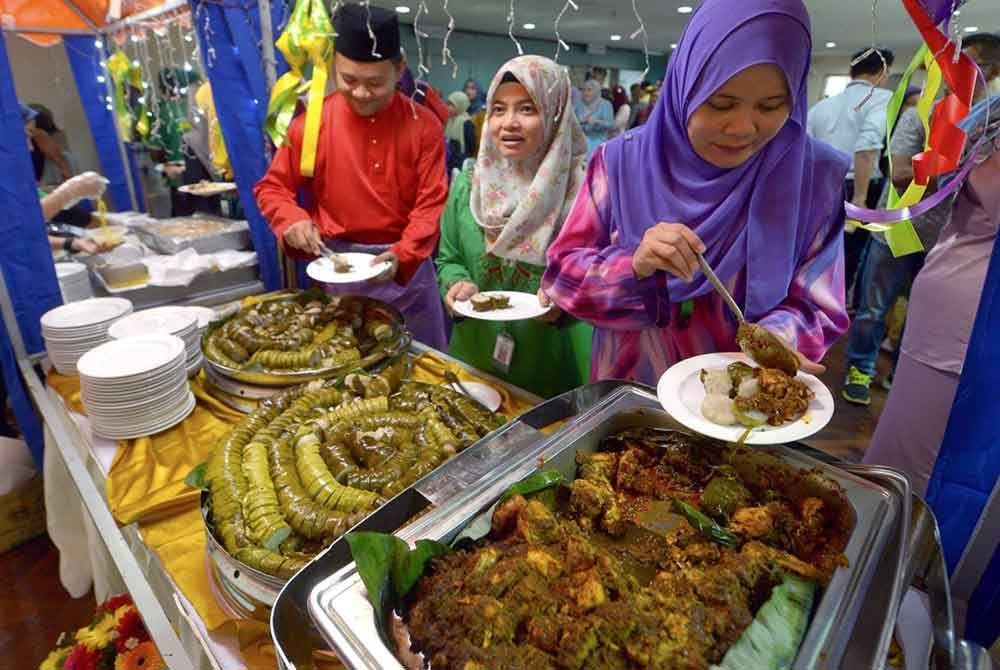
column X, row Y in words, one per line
column 553, row 314
column 304, row 236
column 460, row 290
column 392, row 260
column 173, row 171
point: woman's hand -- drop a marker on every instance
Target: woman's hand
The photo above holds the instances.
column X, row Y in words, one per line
column 805, row 364
column 460, row 290
column 672, row 247
column 553, row 314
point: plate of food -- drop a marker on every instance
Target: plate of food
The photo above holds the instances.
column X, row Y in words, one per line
column 208, row 188
column 722, row 395
column 348, row 268
column 501, row 306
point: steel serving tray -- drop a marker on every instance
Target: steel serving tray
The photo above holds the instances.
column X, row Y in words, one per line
column 231, row 235
column 503, row 449
column 339, row 607
column 394, row 346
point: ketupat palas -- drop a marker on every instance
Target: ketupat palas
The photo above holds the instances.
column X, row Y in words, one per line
column 313, row 461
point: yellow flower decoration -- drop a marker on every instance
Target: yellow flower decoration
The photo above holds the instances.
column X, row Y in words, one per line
column 98, row 635
column 55, row 659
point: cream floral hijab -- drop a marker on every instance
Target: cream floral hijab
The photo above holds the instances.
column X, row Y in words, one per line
column 520, row 205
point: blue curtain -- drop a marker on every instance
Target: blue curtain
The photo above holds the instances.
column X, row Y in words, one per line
column 24, row 253
column 228, row 36
column 969, row 462
column 85, row 61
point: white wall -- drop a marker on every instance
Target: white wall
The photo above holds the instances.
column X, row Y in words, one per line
column 42, row 75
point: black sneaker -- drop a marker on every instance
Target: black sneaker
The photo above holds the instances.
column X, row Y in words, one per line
column 856, row 387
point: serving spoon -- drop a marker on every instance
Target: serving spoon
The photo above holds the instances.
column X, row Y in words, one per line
column 755, row 341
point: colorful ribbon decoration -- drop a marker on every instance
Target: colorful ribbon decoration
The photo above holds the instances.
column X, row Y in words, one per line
column 901, row 237
column 123, row 72
column 308, row 38
column 945, row 141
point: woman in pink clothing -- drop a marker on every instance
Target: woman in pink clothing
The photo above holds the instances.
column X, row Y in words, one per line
column 724, row 167
column 943, row 305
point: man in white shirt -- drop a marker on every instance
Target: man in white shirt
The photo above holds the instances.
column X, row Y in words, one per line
column 857, row 127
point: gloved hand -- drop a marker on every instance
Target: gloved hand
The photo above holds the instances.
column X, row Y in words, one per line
column 75, row 189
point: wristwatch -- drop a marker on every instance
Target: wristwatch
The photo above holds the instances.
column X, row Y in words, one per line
column 68, row 244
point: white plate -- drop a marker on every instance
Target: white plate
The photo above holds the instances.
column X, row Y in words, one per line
column 681, row 393
column 208, row 189
column 85, row 313
column 132, row 356
column 70, row 271
column 522, row 306
column 205, row 315
column 487, row 396
column 321, row 269
column 166, row 320
column 115, row 432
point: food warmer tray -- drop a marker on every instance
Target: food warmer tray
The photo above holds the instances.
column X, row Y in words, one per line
column 250, row 592
column 340, row 609
column 394, row 346
column 232, row 235
column 494, row 453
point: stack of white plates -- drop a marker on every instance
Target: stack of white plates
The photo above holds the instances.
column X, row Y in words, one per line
column 74, row 281
column 72, row 330
column 205, row 315
column 135, row 386
column 179, row 321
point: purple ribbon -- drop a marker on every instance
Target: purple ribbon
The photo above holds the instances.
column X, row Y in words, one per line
column 940, row 10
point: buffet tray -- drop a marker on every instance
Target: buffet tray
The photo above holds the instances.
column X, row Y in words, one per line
column 248, row 590
column 397, row 344
column 339, row 607
column 232, row 235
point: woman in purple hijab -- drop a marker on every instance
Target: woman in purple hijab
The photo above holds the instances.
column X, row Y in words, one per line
column 723, row 167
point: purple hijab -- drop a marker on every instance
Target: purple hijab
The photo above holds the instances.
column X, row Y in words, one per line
column 761, row 215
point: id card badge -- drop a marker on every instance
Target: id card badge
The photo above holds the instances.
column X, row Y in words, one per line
column 503, row 352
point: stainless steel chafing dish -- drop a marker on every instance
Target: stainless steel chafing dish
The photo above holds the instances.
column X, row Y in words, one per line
column 395, row 345
column 339, row 607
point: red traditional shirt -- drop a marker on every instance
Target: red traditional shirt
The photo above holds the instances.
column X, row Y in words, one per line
column 378, row 180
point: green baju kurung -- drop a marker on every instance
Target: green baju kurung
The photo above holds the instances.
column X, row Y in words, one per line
column 548, row 359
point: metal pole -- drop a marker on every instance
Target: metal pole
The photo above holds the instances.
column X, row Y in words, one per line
column 122, row 151
column 286, row 264
column 83, row 17
column 267, row 43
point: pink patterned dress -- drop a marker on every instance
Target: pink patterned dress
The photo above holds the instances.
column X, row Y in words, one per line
column 639, row 333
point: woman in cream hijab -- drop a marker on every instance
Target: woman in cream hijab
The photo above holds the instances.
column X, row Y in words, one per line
column 500, row 219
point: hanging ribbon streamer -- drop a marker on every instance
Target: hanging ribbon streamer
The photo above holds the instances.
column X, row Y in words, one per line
column 308, row 38
column 901, row 237
column 945, row 141
column 124, row 73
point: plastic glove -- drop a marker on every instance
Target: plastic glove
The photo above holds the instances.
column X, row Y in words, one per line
column 86, row 185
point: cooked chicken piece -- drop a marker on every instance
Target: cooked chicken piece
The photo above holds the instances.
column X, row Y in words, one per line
column 756, row 550
column 752, row 522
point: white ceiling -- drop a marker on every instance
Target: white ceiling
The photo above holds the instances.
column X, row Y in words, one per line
column 848, row 23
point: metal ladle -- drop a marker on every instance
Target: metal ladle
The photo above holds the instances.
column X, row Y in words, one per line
column 755, row 341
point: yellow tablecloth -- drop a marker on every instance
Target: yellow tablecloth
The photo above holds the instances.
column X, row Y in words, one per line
column 146, row 484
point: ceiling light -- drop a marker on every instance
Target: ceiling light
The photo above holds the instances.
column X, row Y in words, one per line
column 403, row 9
column 685, row 9
column 972, row 29
column 616, row 38
column 830, row 45
column 529, row 26
column 673, row 45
